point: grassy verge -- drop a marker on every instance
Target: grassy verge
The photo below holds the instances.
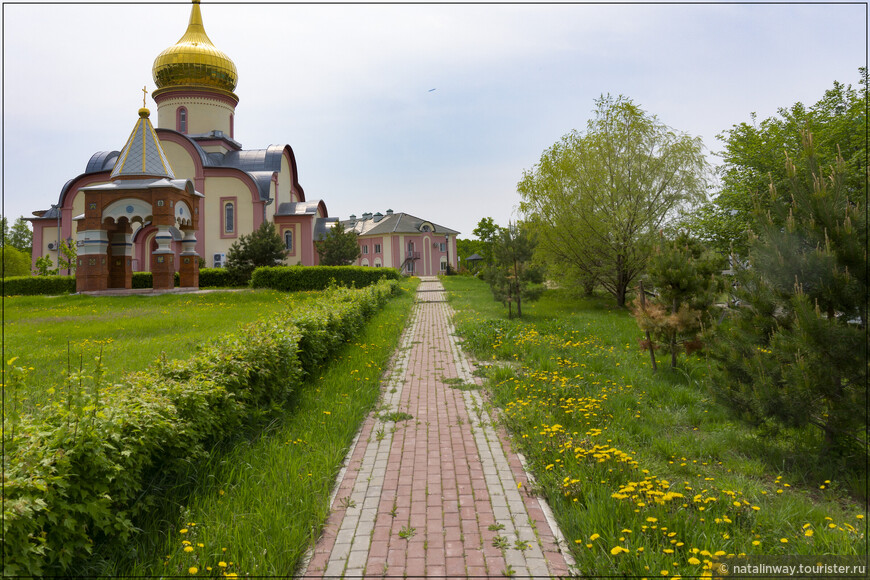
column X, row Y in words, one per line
column 260, row 502
column 48, row 333
column 646, row 474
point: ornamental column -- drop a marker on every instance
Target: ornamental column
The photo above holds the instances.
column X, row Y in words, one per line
column 163, row 260
column 121, row 259
column 188, row 270
column 93, row 245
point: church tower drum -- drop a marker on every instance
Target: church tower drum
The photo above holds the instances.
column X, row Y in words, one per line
column 195, row 83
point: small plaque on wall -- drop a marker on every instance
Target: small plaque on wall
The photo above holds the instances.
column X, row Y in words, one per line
column 187, row 260
column 92, row 205
column 159, row 203
column 159, row 259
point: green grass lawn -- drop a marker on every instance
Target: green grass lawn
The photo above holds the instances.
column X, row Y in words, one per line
column 647, row 475
column 260, row 500
column 48, row 333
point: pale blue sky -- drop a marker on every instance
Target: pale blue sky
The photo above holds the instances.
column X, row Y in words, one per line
column 348, row 87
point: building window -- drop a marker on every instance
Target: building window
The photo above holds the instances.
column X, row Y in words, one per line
column 377, row 248
column 232, row 122
column 181, row 122
column 288, row 240
column 229, row 217
column 443, row 264
column 377, row 263
column 442, row 246
column 365, row 249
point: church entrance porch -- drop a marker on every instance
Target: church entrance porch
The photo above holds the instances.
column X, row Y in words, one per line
column 105, row 234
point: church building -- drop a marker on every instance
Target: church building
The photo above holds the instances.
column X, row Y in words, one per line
column 190, row 162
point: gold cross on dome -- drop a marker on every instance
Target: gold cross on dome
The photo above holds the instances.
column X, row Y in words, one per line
column 144, row 94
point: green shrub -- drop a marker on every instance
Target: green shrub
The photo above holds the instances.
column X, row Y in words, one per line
column 299, row 278
column 82, row 471
column 221, row 278
column 146, row 280
column 36, row 285
column 52, row 285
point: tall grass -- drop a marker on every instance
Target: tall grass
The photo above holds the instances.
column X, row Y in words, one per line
column 258, row 503
column 646, row 473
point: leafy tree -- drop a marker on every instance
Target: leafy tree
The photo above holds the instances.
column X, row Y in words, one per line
column 486, row 231
column 15, row 262
column 44, row 267
column 753, row 159
column 66, row 259
column 339, row 247
column 512, row 277
column 597, row 200
column 263, row 247
column 685, row 276
column 20, row 235
column 794, row 353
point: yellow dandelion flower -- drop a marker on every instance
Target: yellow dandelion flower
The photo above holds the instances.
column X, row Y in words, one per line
column 719, row 553
column 182, row 531
column 617, row 550
column 593, row 537
column 756, row 543
column 193, row 570
column 222, row 564
column 652, row 520
column 664, row 572
column 860, row 516
column 784, row 540
column 808, row 533
column 188, row 548
column 694, row 561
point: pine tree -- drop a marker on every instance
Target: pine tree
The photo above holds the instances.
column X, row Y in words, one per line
column 685, row 275
column 339, row 247
column 795, row 351
column 263, row 247
column 512, row 277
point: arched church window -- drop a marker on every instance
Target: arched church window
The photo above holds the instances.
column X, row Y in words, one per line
column 181, row 124
column 288, row 240
column 229, row 218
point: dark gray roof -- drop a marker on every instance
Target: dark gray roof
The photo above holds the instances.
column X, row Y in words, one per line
column 474, row 258
column 298, row 208
column 101, row 161
column 268, row 159
column 402, row 223
column 257, row 163
column 321, row 227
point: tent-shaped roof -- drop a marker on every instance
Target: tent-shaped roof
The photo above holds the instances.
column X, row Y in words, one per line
column 142, row 156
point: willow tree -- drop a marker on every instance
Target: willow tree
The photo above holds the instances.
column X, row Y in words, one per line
column 598, row 199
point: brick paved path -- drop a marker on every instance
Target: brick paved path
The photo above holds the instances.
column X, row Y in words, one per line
column 429, row 495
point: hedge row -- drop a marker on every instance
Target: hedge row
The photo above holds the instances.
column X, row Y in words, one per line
column 36, row 285
column 297, row 278
column 286, row 278
column 81, row 472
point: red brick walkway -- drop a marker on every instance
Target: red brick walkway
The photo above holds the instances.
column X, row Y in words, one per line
column 434, row 492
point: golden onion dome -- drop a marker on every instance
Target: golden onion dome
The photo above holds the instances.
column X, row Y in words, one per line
column 194, row 60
